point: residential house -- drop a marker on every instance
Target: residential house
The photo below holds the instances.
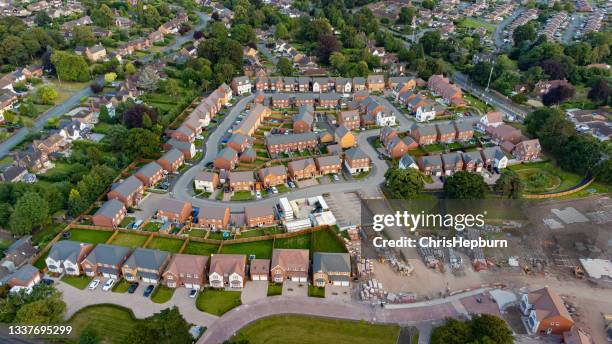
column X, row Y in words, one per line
column 472, row 161
column 185, row 147
column 259, row 269
column 350, row 119
column 183, row 133
column 156, row 36
column 274, row 175
column 407, row 161
column 170, row 209
column 186, row 270
column 303, row 99
column 331, row 268
column 226, row 159
column 356, row 161
column 172, row 160
column 26, row 276
column 277, row 83
column 281, row 100
column 150, row 174
column 7, row 99
column 504, row 132
column 241, row 85
column 490, row 119
column 292, row 142
column 302, row 121
column 227, row 270
column 452, row 162
column 253, row 119
column 65, row 256
column 241, row 181
column 430, row 165
column 424, row 135
column 262, row 83
column 110, row 214
column 19, row 253
column 302, row 169
column 446, row 133
column 464, row 130
column 248, row 156
column 13, row 174
column 494, row 157
column 450, row 93
column 145, row 264
column 329, row 100
column 289, row 265
column 105, row 260
column 406, row 82
column 32, row 158
column 527, row 150
column 375, row 83
column 398, row 147
column 545, row 312
column 129, row 191
column 259, row 215
column 238, row 142
column 206, row 181
column 95, row 53
column 344, row 137
column 330, row 164
column 344, row 85
column 214, row 217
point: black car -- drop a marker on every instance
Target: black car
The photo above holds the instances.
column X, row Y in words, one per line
column 148, row 291
column 47, row 281
column 132, row 288
column 66, row 235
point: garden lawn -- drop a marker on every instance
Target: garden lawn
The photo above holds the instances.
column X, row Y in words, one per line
column 297, row 242
column 112, row 323
column 79, row 282
column 242, row 196
column 261, row 249
column 129, row 240
column 275, row 289
column 126, row 221
column 316, row 291
column 165, row 244
column 195, row 232
column 549, row 170
column 200, row 248
column 162, row 294
column 252, row 233
column 313, row 330
column 326, row 241
column 121, row 286
column 90, row 236
column 217, row 302
column 152, row 227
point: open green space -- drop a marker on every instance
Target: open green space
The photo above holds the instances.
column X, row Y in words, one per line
column 162, row 294
column 242, row 196
column 471, row 23
column 79, row 282
column 129, row 240
column 90, row 236
column 326, row 241
column 544, row 177
column 166, row 244
column 296, row 242
column 110, row 322
column 314, row 330
column 200, row 248
column 261, row 249
column 217, row 302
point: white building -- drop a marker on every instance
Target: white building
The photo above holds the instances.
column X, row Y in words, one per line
column 385, row 118
column 425, row 113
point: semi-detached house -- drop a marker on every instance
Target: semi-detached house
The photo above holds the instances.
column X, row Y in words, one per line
column 129, row 191
column 110, row 214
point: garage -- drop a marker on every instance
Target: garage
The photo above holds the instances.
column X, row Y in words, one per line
column 189, row 285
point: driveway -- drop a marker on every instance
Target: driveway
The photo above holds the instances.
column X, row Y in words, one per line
column 295, row 289
column 142, row 307
column 253, row 291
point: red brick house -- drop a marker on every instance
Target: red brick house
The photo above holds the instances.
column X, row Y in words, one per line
column 274, row 175
column 170, row 209
column 527, row 150
column 172, row 160
column 349, row 119
column 150, row 174
column 302, row 169
column 186, row 270
column 328, row 164
column 110, row 214
column 465, row 131
column 241, row 181
column 214, row 217
column 289, row 265
column 292, row 142
column 129, row 191
column 226, row 159
column 259, row 215
column 302, row 121
column 424, row 135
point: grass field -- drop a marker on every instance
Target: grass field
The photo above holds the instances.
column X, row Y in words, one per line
column 121, row 286
column 275, row 289
column 471, row 23
column 557, row 179
column 90, row 236
column 129, row 240
column 200, row 248
column 261, row 249
column 79, row 282
column 162, row 294
column 112, row 323
column 312, row 330
column 325, row 241
column 166, row 244
column 297, row 242
column 217, row 302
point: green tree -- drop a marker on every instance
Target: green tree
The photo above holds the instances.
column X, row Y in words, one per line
column 491, row 327
column 465, row 185
column 525, row 32
column 45, row 311
column 509, row 184
column 110, row 77
column 31, row 211
column 130, row 69
column 46, row 94
column 284, row 66
column 143, row 143
column 149, row 79
column 167, row 326
column 452, row 332
column 103, row 16
column 404, row 183
column 281, row 31
column 83, row 35
column 70, row 67
column 172, row 87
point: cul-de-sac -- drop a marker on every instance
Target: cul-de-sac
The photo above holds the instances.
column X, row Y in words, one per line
column 246, row 171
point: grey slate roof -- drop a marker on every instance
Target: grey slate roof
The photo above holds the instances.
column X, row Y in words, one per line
column 128, row 186
column 108, row 254
column 283, row 139
column 341, row 131
column 227, row 153
column 145, row 258
column 493, row 153
column 25, row 273
column 237, row 138
column 451, row 158
column 431, row 160
column 212, row 212
column 355, row 153
column 407, row 160
column 150, row 169
column 331, row 262
column 472, row 156
column 65, row 250
column 446, row 128
column 205, row 176
column 463, row 126
column 172, row 155
column 425, row 129
column 110, row 208
column 19, row 245
column 304, row 114
column 299, row 165
column 274, row 170
column 329, row 160
column 178, row 144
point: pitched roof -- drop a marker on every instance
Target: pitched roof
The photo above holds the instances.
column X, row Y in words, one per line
column 244, row 176
column 407, row 160
column 451, row 158
column 492, row 153
column 260, row 266
column 305, row 114
column 257, row 210
column 355, row 153
column 328, row 160
column 227, row 263
column 187, row 264
column 213, row 212
column 548, row 304
column 425, row 130
column 172, row 155
column 274, row 170
column 128, row 186
column 472, row 157
column 206, row 176
column 108, row 254
column 445, row 128
column 172, row 205
column 110, row 208
column 331, row 262
column 146, row 258
column 290, row 259
column 227, row 153
column 150, row 169
column 291, row 138
column 298, row 165
column 431, row 160
column 66, row 250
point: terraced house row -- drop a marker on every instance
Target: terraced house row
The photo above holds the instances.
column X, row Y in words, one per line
column 449, row 163
column 196, row 271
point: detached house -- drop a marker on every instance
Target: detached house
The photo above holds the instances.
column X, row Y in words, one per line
column 129, row 191
column 206, row 181
column 185, row 147
column 464, row 130
column 145, row 264
column 19, row 253
column 105, row 260
column 214, row 217
column 344, row 137
column 545, row 312
column 259, row 215
column 66, row 256
column 491, row 119
column 259, row 269
column 95, row 53
column 227, row 270
column 274, row 175
column 26, row 276
column 527, row 150
column 186, row 270
column 172, row 160
column 289, row 265
column 331, row 268
column 350, row 119
column 150, row 174
column 356, row 161
column 407, row 161
column 241, row 85
column 226, row 159
column 170, row 209
column 302, row 121
column 241, row 181
column 473, row 161
column 494, row 157
column 110, row 214
column 238, row 142
column 504, row 132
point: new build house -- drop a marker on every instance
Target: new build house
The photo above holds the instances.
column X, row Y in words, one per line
column 289, row 265
column 66, row 256
column 331, row 268
column 110, row 214
column 227, row 270
column 105, row 260
column 145, row 264
column 186, row 270
column 129, row 191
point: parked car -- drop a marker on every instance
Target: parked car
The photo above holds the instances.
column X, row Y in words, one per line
column 336, row 178
column 193, row 293
column 94, row 284
column 291, row 184
column 47, row 281
column 132, row 287
column 109, row 284
column 258, row 194
column 274, row 190
column 148, row 291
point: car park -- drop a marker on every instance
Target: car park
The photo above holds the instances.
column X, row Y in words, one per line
column 94, row 284
column 148, row 291
column 132, row 288
column 108, row 285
